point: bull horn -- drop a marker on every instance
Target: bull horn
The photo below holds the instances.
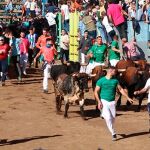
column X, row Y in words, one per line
column 92, row 75
column 68, row 64
column 84, row 64
column 136, row 62
column 121, row 70
column 140, row 72
column 74, row 74
column 105, row 69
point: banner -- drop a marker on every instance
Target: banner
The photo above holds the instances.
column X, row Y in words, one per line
column 73, row 45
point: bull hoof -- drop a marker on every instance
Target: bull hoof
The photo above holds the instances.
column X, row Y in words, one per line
column 118, row 105
column 138, row 110
column 58, row 112
column 84, row 118
column 66, row 116
column 86, row 90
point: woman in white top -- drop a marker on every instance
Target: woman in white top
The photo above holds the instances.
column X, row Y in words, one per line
column 64, row 45
column 27, row 6
column 33, row 6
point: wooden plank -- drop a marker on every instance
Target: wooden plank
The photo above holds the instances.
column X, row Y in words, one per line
column 14, row 11
column 14, row 3
column 8, row 17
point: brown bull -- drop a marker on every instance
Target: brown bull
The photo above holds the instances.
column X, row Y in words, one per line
column 124, row 64
column 132, row 79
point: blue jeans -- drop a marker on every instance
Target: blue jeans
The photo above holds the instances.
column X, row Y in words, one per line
column 101, row 31
column 3, row 69
column 66, row 25
column 27, row 11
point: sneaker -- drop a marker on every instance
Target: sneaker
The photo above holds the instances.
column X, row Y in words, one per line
column 19, row 79
column 24, row 73
column 114, row 137
column 45, row 91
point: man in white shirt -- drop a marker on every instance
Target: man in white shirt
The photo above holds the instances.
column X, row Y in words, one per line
column 50, row 16
column 145, row 89
column 65, row 14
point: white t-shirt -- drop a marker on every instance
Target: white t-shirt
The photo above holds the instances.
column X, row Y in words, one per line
column 33, row 6
column 106, row 24
column 50, row 18
column 147, row 86
column 27, row 4
column 64, row 39
column 65, row 9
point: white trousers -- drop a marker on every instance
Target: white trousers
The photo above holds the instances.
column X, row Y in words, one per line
column 82, row 68
column 98, row 64
column 113, row 62
column 23, row 61
column 109, row 114
column 89, row 68
column 46, row 76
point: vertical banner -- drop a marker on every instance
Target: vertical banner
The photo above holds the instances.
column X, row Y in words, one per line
column 73, row 46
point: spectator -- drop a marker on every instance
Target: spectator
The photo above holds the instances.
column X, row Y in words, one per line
column 115, row 15
column 15, row 54
column 84, row 45
column 50, row 16
column 64, row 45
column 108, row 27
column 90, row 24
column 24, row 47
column 33, row 6
column 32, row 37
column 130, row 49
column 65, row 15
column 4, row 48
column 9, row 6
column 27, row 6
column 81, row 25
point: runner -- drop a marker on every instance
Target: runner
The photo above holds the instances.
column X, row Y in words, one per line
column 48, row 52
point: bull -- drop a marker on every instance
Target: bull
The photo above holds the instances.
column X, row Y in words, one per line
column 132, row 79
column 70, row 88
column 68, row 68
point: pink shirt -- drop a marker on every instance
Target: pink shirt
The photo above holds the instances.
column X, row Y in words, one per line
column 115, row 11
column 48, row 53
column 24, row 45
column 130, row 49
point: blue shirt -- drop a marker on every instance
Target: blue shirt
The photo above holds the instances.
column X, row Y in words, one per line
column 14, row 43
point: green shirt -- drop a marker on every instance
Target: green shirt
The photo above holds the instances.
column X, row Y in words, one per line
column 99, row 52
column 107, row 88
column 113, row 54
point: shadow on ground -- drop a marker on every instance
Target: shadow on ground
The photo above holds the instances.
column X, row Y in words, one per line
column 24, row 140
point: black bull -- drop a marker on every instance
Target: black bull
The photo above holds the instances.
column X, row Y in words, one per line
column 70, row 88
